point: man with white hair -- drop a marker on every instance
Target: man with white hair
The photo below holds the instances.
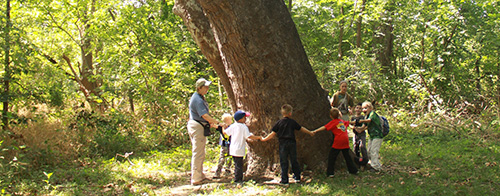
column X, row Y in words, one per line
column 199, row 116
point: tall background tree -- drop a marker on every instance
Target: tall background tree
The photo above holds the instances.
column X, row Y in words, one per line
column 7, row 74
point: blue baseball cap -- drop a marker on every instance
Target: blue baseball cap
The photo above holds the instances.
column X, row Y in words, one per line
column 240, row 114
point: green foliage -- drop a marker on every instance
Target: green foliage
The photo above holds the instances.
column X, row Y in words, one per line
column 440, row 94
column 442, row 51
column 424, row 154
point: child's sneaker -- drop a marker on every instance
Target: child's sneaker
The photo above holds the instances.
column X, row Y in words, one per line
column 297, row 179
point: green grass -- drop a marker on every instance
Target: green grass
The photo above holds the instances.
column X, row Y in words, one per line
column 416, row 161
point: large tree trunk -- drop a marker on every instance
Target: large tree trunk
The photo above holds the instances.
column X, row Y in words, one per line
column 7, row 73
column 266, row 66
column 199, row 27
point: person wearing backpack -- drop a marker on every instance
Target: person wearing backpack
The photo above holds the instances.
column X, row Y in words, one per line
column 343, row 101
column 374, row 127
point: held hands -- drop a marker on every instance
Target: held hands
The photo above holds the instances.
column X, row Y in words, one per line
column 214, row 125
column 255, row 138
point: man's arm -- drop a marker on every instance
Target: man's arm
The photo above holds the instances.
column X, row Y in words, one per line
column 210, row 120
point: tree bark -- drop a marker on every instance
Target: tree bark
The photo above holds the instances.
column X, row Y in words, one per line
column 199, row 27
column 266, row 66
column 358, row 25
column 385, row 38
column 88, row 72
column 7, row 73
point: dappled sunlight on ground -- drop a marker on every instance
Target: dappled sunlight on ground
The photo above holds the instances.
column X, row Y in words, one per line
column 260, row 185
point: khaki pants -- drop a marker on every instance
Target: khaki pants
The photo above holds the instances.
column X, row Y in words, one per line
column 373, row 151
column 198, row 141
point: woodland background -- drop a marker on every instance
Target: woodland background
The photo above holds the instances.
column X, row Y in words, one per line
column 86, row 81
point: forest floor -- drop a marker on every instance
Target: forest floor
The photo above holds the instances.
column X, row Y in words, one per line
column 253, row 185
column 415, row 162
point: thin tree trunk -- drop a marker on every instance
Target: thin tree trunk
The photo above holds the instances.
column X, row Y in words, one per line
column 341, row 34
column 385, row 55
column 131, row 101
column 87, row 70
column 358, row 25
column 498, row 83
column 7, row 76
column 478, row 75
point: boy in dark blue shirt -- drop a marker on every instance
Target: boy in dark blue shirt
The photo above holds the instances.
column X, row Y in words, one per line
column 285, row 129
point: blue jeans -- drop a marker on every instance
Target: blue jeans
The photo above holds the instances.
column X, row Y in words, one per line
column 288, row 149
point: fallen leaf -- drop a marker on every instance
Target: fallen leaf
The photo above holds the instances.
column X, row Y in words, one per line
column 108, row 185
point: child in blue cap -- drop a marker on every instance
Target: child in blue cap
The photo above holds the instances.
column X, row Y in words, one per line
column 239, row 133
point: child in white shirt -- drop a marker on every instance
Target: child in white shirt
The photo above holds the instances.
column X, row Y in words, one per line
column 239, row 133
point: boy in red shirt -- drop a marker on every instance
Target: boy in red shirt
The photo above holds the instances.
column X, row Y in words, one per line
column 340, row 142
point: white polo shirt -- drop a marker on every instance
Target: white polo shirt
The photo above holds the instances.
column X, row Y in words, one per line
column 239, row 133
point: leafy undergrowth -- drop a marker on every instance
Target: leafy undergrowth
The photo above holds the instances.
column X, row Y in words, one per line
column 417, row 160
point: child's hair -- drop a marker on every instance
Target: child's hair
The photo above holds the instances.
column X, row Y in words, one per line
column 335, row 113
column 369, row 104
column 226, row 115
column 359, row 104
column 286, row 109
column 343, row 81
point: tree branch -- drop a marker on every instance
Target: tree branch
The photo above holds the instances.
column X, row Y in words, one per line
column 61, row 28
column 77, row 79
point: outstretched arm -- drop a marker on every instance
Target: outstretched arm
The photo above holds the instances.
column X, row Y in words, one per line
column 210, row 120
column 253, row 137
column 365, row 121
column 322, row 128
column 270, row 136
column 305, row 130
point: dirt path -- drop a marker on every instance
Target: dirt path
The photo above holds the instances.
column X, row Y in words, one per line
column 260, row 185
